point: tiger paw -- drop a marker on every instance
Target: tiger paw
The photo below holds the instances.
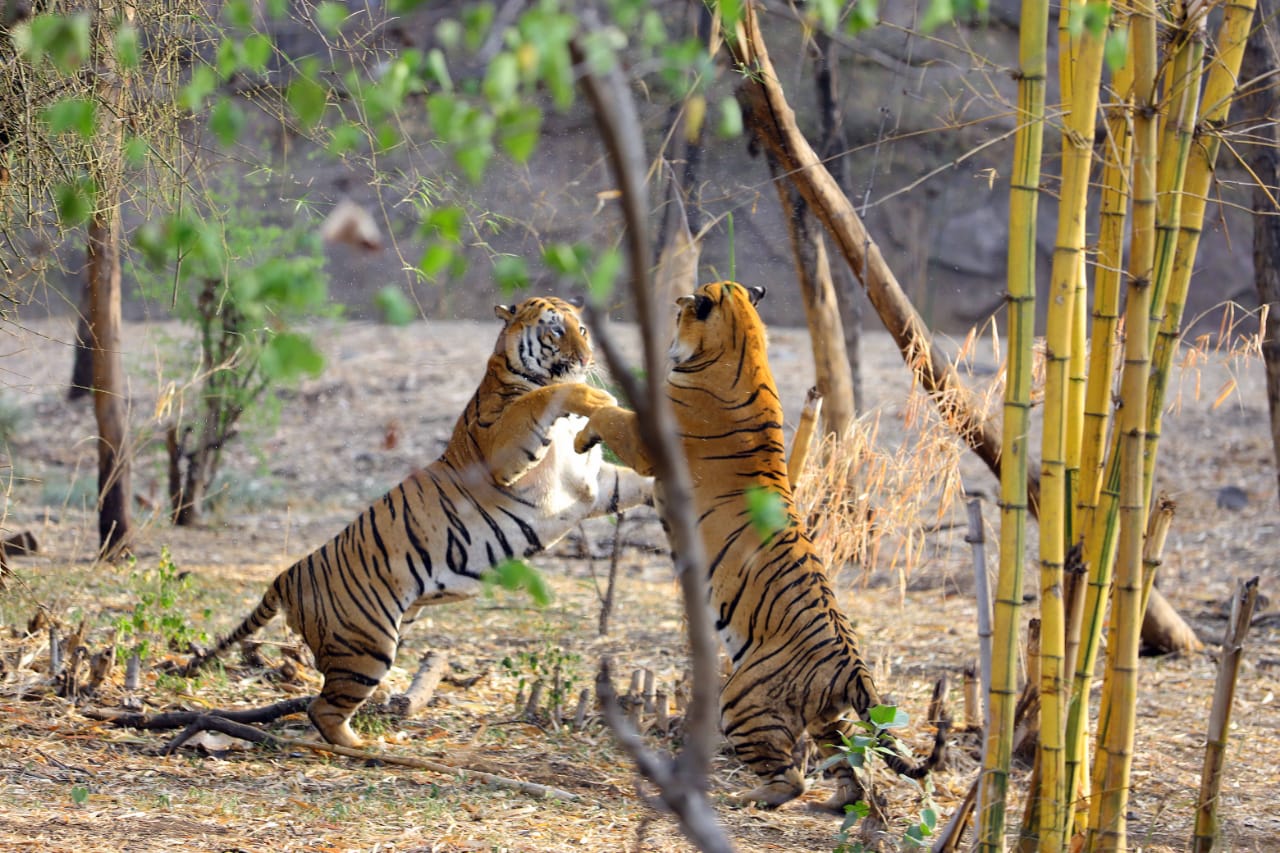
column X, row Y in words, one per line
column 585, row 400
column 586, row 439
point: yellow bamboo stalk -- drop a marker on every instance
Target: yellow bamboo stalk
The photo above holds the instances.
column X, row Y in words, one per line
column 1219, row 90
column 1024, row 195
column 1098, row 408
column 1107, row 826
column 1055, row 508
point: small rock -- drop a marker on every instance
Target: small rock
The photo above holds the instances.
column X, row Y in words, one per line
column 1233, row 498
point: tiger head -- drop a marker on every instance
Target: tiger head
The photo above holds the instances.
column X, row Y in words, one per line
column 714, row 323
column 544, row 340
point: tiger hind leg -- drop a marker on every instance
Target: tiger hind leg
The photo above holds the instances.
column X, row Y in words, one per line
column 766, row 744
column 850, row 787
column 348, row 681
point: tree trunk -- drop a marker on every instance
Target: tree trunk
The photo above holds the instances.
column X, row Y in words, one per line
column 817, row 291
column 1258, row 112
column 108, row 383
column 82, row 363
column 103, row 270
column 833, row 148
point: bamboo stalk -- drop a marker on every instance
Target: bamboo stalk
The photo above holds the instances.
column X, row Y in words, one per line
column 1107, row 825
column 1098, row 408
column 1024, row 195
column 1060, row 430
column 976, row 538
column 1215, row 748
column 1218, row 91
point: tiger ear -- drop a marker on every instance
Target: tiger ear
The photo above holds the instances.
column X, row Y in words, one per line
column 505, row 313
column 755, row 294
column 576, row 301
column 683, row 300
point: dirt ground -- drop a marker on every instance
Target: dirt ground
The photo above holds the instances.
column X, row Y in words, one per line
column 385, row 404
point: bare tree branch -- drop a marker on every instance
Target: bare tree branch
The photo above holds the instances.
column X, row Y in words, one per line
column 681, row 780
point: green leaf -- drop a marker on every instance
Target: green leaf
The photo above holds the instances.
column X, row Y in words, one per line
column 476, row 20
column 502, row 79
column 238, row 13
column 308, row 98
column 767, row 511
column 438, row 69
column 518, row 130
column 62, row 39
column 135, row 150
column 564, row 258
column 473, row 158
column 201, row 85
column 864, row 15
column 929, row 819
column 331, row 16
column 345, row 138
column 226, row 120
column 861, row 808
column 78, row 114
column 76, row 200
column 511, row 273
column 888, row 717
column 730, row 124
column 256, row 52
column 601, row 279
column 827, row 13
column 445, row 115
column 277, row 9
column 435, row 260
column 939, row 13
column 516, row 575
column 127, row 46
column 730, row 14
column 394, row 306
column 446, row 222
column 1116, row 49
column 289, row 355
column 79, row 794
column 449, row 33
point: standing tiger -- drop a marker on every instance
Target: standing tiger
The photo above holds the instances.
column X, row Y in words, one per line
column 509, row 484
column 795, row 661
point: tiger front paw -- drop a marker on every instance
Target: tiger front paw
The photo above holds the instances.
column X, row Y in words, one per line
column 586, row 438
column 586, row 400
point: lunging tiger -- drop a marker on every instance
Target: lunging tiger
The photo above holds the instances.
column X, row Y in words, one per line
column 509, row 484
column 795, row 661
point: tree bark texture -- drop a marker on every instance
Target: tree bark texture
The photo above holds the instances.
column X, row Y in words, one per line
column 1258, row 112
column 108, row 383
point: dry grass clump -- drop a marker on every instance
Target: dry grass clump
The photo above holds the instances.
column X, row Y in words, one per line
column 870, row 501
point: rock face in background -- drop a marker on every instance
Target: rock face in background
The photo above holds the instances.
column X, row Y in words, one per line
column 929, row 122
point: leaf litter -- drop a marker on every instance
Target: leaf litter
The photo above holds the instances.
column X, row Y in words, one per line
column 72, row 783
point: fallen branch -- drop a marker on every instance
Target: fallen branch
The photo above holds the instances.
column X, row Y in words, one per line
column 431, row 669
column 233, row 723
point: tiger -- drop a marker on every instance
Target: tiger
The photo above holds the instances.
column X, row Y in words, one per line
column 794, row 662
column 508, row 484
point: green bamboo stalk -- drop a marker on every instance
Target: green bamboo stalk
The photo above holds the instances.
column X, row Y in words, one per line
column 1024, row 195
column 1098, row 408
column 1107, row 826
column 1055, row 508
